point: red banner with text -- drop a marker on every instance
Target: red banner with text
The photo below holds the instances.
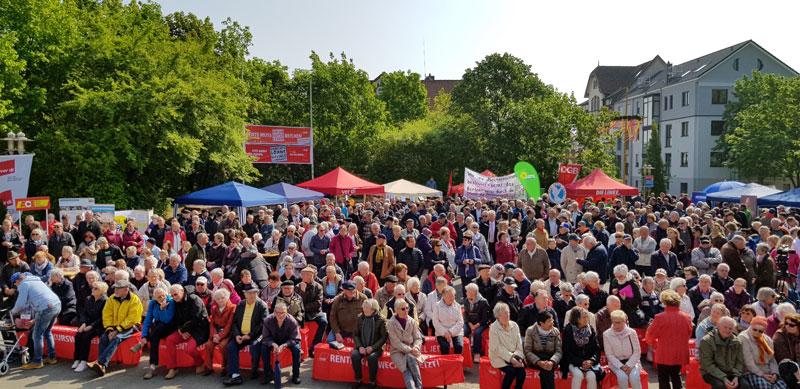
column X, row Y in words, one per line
column 568, row 173
column 278, row 135
column 279, row 153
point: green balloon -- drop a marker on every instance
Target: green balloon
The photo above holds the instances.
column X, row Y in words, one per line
column 529, row 178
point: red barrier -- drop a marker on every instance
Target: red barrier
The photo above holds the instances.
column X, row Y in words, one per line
column 335, row 365
column 493, row 378
column 64, row 338
column 640, row 333
column 693, row 377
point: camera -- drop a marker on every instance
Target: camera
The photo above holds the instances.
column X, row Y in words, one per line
column 782, row 259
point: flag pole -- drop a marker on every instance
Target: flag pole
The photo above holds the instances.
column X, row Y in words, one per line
column 625, row 140
column 311, row 113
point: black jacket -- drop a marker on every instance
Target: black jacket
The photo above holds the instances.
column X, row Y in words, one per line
column 191, row 316
column 576, row 355
column 112, row 253
column 82, row 290
column 513, row 302
column 66, row 294
column 259, row 314
column 477, row 312
column 411, row 257
column 561, row 307
column 8, row 271
column 92, row 314
column 529, row 314
column 488, row 289
column 312, row 299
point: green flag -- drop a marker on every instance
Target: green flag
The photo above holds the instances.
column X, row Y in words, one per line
column 529, row 178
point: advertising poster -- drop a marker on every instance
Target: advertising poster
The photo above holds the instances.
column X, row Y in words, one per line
column 15, row 173
column 478, row 186
column 104, row 212
column 142, row 218
column 74, row 206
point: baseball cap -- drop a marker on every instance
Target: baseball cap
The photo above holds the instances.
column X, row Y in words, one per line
column 15, row 277
column 565, row 225
column 348, row 285
column 121, row 284
column 508, row 281
column 573, row 237
column 391, row 278
column 661, row 271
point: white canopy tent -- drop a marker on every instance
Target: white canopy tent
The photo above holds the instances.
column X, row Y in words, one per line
column 404, row 188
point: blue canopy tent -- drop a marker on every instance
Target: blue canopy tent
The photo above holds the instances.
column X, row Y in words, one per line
column 293, row 194
column 789, row 198
column 233, row 194
column 735, row 195
column 714, row 188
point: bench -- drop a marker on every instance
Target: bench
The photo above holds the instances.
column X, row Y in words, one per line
column 64, row 338
column 493, row 378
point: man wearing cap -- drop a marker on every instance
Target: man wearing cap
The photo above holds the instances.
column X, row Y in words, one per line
column 107, row 253
column 344, row 311
column 623, row 255
column 706, row 257
column 570, row 256
column 384, row 294
column 310, row 291
column 246, row 331
column 424, row 242
column 13, row 266
column 121, row 314
column 508, row 295
column 293, row 301
column 562, row 238
column 488, row 287
column 62, row 287
column 33, row 293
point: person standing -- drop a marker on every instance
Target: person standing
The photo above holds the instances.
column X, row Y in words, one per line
column 669, row 333
column 533, row 260
column 34, row 293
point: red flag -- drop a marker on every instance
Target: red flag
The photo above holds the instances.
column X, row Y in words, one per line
column 450, row 184
column 568, row 173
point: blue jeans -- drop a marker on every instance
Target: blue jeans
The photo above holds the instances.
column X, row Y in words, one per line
column 43, row 328
column 332, row 336
column 266, row 355
column 477, row 340
column 107, row 347
column 233, row 355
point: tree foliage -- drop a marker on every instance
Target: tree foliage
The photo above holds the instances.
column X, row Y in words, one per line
column 404, row 95
column 762, row 137
column 654, row 160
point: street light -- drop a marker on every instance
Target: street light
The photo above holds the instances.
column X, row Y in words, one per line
column 20, row 139
column 10, row 137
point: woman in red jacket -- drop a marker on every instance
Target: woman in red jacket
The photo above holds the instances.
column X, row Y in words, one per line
column 505, row 252
column 220, row 331
column 131, row 237
column 669, row 333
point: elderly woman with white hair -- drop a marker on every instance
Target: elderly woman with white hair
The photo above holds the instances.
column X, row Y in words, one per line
column 678, row 285
column 718, row 311
column 774, row 321
column 420, row 300
column 156, row 326
column 406, row 341
column 505, row 347
column 705, row 305
column 625, row 288
column 621, row 345
column 765, row 305
column 448, row 322
column 369, row 337
column 760, row 365
column 148, row 289
column 220, row 321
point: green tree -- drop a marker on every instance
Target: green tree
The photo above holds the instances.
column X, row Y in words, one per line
column 404, row 95
column 12, row 83
column 762, row 128
column 654, row 160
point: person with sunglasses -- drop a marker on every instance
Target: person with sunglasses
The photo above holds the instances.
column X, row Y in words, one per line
column 156, row 326
column 787, row 343
column 760, row 365
column 91, row 325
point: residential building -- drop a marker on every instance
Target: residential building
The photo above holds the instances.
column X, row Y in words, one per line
column 687, row 101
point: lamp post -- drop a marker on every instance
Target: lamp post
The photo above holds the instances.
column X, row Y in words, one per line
column 20, row 139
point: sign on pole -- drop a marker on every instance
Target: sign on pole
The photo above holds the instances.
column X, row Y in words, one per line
column 477, row 186
column 74, row 206
column 15, row 172
column 568, row 173
column 280, row 144
column 648, row 181
column 557, row 193
column 529, row 179
column 32, row 204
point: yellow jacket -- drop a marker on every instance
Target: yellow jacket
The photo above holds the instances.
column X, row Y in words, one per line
column 122, row 315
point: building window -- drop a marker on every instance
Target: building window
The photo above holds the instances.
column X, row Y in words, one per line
column 719, row 96
column 684, row 159
column 619, row 143
column 736, row 64
column 684, row 187
column 717, row 127
column 670, row 101
column 667, row 160
column 668, row 136
column 684, row 129
column 685, row 99
column 716, row 159
column 637, row 160
column 594, row 84
column 638, row 108
column 647, row 119
column 645, row 136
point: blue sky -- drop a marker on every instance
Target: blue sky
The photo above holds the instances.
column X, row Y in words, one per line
column 562, row 40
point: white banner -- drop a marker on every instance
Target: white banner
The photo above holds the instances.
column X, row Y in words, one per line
column 142, row 218
column 73, row 207
column 15, row 174
column 478, row 186
column 104, row 212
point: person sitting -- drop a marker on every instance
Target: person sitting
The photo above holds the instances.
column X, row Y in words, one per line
column 705, row 306
column 581, row 339
column 272, row 289
column 191, row 320
column 718, row 311
column 597, row 296
column 488, row 287
column 529, row 313
column 175, row 272
column 563, row 303
column 246, row 331
column 310, row 293
column 650, row 305
column 700, row 292
column 157, row 326
column 219, row 330
column 746, row 315
column 399, row 294
column 122, row 314
column 280, row 331
column 344, row 311
column 385, row 293
column 62, row 287
column 368, row 338
column 41, row 266
column 476, row 319
column 603, row 316
column 406, row 341
column 760, row 366
column 736, row 296
column 787, row 345
column 439, row 270
column 448, row 322
column 774, row 321
column 543, row 348
column 361, row 286
column 293, row 301
column 766, row 302
column 721, row 358
column 720, row 280
column 369, row 278
column 91, row 325
column 624, row 287
column 621, row 345
column 505, row 347
column 198, row 270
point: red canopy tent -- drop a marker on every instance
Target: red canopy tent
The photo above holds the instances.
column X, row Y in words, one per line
column 459, row 189
column 340, row 182
column 598, row 185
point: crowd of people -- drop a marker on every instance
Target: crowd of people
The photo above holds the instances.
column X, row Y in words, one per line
column 555, row 286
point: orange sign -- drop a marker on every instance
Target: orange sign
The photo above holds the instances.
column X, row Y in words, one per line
column 32, row 204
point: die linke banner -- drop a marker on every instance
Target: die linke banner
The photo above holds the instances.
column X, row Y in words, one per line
column 568, row 173
column 478, row 186
column 279, row 144
column 15, row 173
